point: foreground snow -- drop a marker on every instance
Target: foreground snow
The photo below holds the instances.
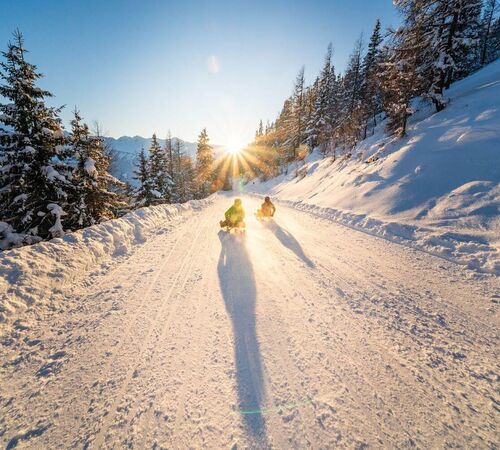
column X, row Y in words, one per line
column 303, row 334
column 438, row 189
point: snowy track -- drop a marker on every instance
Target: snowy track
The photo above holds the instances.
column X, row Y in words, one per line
column 302, row 334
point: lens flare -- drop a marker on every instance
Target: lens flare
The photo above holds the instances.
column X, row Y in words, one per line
column 234, row 146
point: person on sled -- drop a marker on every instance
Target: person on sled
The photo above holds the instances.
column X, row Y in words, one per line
column 267, row 209
column 235, row 216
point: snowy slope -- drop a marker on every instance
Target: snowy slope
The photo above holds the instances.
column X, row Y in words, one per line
column 301, row 334
column 442, row 181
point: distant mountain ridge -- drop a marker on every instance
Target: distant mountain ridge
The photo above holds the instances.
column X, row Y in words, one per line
column 126, row 150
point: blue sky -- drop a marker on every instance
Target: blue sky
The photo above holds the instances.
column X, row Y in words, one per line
column 148, row 66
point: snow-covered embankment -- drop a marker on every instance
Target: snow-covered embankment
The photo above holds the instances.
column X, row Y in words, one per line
column 437, row 189
column 31, row 275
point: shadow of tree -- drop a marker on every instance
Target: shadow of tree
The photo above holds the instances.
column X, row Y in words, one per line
column 287, row 239
column 237, row 282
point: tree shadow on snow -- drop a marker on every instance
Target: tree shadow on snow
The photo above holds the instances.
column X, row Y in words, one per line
column 287, row 239
column 237, row 283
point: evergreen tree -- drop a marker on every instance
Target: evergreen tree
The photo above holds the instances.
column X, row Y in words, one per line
column 260, row 130
column 94, row 200
column 187, row 185
column 488, row 50
column 169, row 170
column 297, row 124
column 370, row 91
column 401, row 77
column 350, row 114
column 34, row 173
column 324, row 103
column 204, row 165
column 158, row 176
column 178, row 179
column 450, row 29
column 144, row 194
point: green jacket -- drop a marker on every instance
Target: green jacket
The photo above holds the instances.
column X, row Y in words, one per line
column 235, row 214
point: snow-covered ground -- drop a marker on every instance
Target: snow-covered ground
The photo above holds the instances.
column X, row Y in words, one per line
column 158, row 331
column 437, row 189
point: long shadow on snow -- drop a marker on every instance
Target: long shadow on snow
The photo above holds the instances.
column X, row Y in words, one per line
column 237, row 282
column 287, row 239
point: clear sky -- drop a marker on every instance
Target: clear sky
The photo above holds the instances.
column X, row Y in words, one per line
column 144, row 66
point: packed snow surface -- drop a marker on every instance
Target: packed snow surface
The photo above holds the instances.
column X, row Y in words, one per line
column 158, row 330
column 438, row 188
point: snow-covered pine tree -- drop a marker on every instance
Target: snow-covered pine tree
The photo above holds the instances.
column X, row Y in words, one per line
column 34, row 174
column 324, row 103
column 489, row 47
column 144, row 195
column 176, row 170
column 370, row 91
column 158, row 172
column 94, row 201
column 282, row 135
column 450, row 29
column 188, row 185
column 401, row 76
column 168, row 159
column 204, row 165
column 310, row 133
column 298, row 121
column 349, row 126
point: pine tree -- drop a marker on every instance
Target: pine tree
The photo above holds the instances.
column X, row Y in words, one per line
column 169, row 167
column 204, row 165
column 260, row 130
column 370, row 91
column 298, row 121
column 450, row 29
column 176, row 173
column 401, row 76
column 188, row 184
column 158, row 172
column 488, row 52
column 94, row 201
column 34, row 174
column 349, row 126
column 324, row 103
column 144, row 195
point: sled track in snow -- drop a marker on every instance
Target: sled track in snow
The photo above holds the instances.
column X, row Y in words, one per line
column 184, row 273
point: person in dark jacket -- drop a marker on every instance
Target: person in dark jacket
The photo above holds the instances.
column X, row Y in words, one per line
column 235, row 216
column 267, row 208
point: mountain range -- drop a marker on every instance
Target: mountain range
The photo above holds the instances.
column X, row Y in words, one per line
column 126, row 150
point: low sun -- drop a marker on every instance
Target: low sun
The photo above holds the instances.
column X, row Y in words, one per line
column 233, row 146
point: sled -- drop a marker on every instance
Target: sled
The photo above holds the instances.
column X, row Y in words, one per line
column 261, row 216
column 240, row 228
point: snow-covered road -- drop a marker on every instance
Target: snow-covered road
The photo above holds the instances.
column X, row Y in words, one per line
column 300, row 334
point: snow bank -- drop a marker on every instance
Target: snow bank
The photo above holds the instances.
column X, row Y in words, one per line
column 440, row 184
column 32, row 274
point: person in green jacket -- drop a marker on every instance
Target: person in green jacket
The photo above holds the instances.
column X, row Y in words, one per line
column 235, row 216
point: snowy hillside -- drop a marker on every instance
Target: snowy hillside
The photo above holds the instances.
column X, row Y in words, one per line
column 127, row 150
column 437, row 188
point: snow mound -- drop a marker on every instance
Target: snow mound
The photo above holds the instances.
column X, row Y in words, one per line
column 30, row 275
column 440, row 184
